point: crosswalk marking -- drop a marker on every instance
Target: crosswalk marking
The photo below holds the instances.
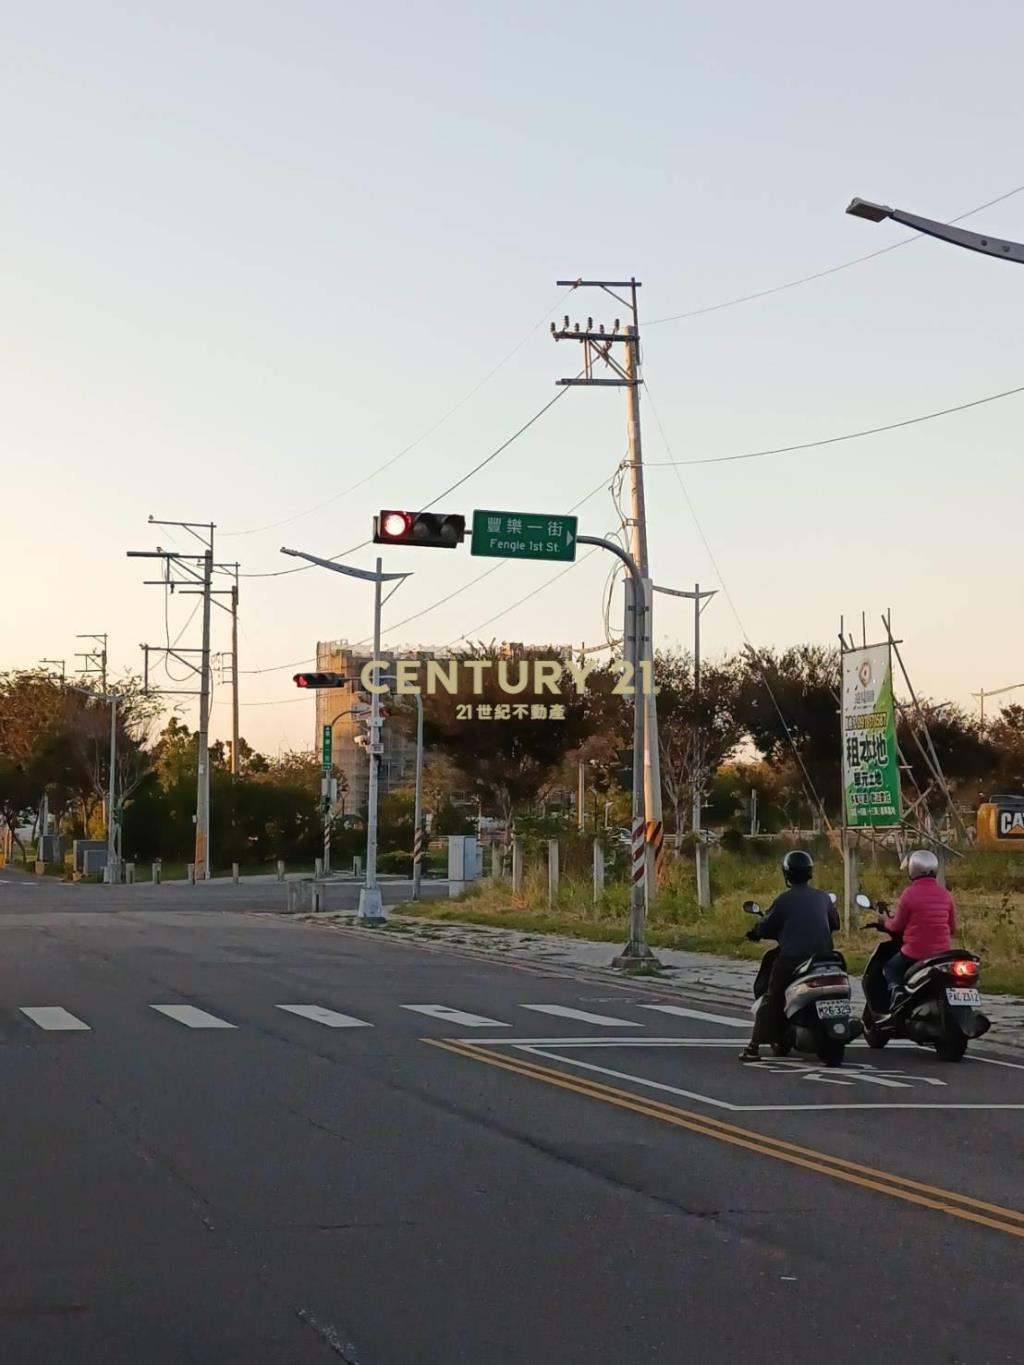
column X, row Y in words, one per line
column 330, row 1018
column 54, row 1018
column 191, row 1017
column 683, row 1013
column 451, row 1016
column 564, row 1012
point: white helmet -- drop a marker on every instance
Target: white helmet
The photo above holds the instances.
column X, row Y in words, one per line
column 921, row 863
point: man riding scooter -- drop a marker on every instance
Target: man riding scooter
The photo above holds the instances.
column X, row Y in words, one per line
column 925, row 917
column 801, row 920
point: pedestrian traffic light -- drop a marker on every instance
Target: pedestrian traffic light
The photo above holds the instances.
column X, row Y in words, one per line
column 439, row 530
column 320, row 680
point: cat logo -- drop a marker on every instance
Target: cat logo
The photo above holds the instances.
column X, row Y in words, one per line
column 1011, row 824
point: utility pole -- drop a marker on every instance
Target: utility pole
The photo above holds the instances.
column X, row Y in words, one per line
column 195, row 578
column 234, row 675
column 598, row 345
column 113, row 868
column 57, row 663
column 94, row 660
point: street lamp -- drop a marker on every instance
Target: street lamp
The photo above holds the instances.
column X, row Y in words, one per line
column 371, row 906
column 971, row 241
column 992, row 692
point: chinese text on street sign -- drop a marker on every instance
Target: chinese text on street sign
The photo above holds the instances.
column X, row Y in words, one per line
column 871, row 773
column 523, row 535
column 327, row 749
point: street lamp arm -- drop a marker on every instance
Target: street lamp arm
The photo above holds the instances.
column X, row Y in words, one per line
column 971, row 241
column 367, row 574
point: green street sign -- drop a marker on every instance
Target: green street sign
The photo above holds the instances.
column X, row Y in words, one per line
column 524, row 535
column 327, row 748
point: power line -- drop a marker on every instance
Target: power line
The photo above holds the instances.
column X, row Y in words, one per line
column 342, row 554
column 519, row 602
column 809, row 786
column 326, row 502
column 834, row 440
column 821, row 274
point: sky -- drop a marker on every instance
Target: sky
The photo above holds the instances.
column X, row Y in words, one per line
column 252, row 252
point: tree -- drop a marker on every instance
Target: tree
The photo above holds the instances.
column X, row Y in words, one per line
column 682, row 718
column 17, row 797
column 799, row 714
column 1006, row 735
column 506, row 760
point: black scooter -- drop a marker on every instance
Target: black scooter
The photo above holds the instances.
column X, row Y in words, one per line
column 938, row 1005
column 818, row 1011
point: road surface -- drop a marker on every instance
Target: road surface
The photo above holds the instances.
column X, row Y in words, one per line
column 232, row 1137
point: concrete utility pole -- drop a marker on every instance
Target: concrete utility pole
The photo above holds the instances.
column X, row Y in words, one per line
column 371, row 906
column 700, row 852
column 597, row 345
column 234, row 675
column 113, row 870
column 195, row 572
column 94, row 660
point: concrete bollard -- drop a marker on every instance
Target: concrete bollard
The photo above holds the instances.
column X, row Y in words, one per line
column 552, row 871
column 357, row 867
column 517, row 866
column 129, row 874
column 158, row 871
column 234, row 873
column 496, row 860
column 318, row 868
column 190, row 874
column 598, row 871
column 280, row 870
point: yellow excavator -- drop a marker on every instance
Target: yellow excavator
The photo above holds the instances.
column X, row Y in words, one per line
column 1001, row 823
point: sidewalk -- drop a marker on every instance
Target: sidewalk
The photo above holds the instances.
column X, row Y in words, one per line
column 718, row 980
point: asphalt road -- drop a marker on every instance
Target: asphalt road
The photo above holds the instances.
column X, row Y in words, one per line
column 229, row 1137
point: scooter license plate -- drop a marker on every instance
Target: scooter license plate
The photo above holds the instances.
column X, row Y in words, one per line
column 833, row 1009
column 962, row 995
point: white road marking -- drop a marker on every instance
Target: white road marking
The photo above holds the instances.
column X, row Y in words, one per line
column 564, row 1012
column 54, row 1018
column 320, row 1015
column 451, row 1016
column 683, row 1012
column 191, row 1017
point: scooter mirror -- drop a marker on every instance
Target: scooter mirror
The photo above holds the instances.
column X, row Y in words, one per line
column 751, row 908
column 863, row 901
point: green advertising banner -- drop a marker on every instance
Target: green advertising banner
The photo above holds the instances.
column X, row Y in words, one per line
column 871, row 772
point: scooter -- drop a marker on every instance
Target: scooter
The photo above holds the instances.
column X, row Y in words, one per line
column 818, row 1009
column 938, row 1004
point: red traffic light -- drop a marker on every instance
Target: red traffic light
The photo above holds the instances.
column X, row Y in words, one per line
column 320, row 680
column 438, row 530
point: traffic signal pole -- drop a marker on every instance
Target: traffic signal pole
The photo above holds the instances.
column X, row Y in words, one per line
column 636, row 952
column 371, row 906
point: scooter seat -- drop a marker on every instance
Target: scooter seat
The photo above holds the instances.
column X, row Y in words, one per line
column 823, row 960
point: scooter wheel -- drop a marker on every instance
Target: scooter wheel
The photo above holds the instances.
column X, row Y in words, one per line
column 781, row 1049
column 951, row 1049
column 832, row 1053
column 874, row 1038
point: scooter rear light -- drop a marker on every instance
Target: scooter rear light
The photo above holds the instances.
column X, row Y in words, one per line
column 821, row 982
column 963, row 967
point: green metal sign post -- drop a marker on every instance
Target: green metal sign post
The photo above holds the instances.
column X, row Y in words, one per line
column 524, row 535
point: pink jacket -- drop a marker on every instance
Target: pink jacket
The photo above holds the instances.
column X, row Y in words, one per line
column 926, row 917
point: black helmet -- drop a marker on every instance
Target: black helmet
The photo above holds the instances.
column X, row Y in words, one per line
column 797, row 866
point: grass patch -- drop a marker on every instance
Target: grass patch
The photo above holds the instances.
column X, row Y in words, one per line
column 989, row 891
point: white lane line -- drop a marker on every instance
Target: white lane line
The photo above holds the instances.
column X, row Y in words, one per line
column 682, row 1012
column 451, row 1016
column 564, row 1012
column 54, row 1018
column 330, row 1018
column 191, row 1017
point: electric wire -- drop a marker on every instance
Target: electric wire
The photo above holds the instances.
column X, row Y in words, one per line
column 821, row 274
column 326, row 502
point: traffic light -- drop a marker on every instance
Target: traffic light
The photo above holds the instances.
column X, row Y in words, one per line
column 320, row 680
column 439, row 530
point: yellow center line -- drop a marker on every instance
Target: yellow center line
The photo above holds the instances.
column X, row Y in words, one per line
column 956, row 1205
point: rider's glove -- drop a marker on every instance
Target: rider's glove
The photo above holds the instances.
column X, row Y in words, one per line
column 752, row 934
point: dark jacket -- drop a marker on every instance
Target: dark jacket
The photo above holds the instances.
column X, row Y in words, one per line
column 801, row 920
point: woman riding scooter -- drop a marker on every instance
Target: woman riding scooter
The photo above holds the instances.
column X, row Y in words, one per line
column 925, row 917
